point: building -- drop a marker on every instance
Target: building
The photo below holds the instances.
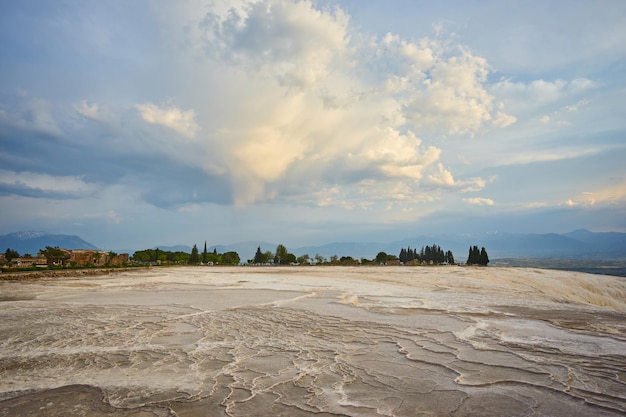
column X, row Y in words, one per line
column 85, row 257
column 26, row 262
column 73, row 258
column 121, row 259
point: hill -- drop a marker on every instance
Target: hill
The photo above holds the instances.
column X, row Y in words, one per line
column 33, row 242
column 579, row 244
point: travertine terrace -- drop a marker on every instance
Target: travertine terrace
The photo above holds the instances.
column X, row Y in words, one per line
column 315, row 341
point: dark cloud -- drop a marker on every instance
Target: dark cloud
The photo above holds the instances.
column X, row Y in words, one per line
column 23, row 190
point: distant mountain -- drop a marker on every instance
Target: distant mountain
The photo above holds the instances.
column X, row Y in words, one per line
column 246, row 250
column 579, row 244
column 601, row 244
column 356, row 250
column 177, row 248
column 33, row 242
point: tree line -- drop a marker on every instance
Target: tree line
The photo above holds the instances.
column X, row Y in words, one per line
column 434, row 255
column 54, row 255
column 477, row 257
column 428, row 254
column 179, row 257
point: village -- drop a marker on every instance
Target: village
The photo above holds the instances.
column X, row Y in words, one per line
column 58, row 257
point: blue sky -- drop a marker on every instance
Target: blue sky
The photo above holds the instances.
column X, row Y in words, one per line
column 143, row 123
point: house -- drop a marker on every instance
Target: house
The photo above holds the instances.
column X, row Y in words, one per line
column 75, row 257
column 26, row 262
column 85, row 257
column 120, row 259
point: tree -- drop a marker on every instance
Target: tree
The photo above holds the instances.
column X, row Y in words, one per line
column 477, row 257
column 11, row 254
column 429, row 254
column 290, row 258
column 195, row 257
column 381, row 257
column 449, row 257
column 178, row 257
column 55, row 256
column 282, row 256
column 319, row 258
column 304, row 259
column 205, row 257
column 484, row 258
column 348, row 260
column 258, row 256
column 154, row 255
column 230, row 258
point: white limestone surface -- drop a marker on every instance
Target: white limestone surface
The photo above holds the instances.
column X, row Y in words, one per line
column 315, row 341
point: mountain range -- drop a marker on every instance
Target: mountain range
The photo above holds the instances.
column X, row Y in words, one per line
column 579, row 244
column 33, row 242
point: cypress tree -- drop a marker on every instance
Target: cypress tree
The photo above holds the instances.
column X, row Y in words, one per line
column 484, row 258
column 195, row 257
column 258, row 256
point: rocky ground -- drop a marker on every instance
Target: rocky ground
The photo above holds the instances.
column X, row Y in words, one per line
column 363, row 341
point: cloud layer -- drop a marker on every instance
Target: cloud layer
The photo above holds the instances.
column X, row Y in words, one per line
column 285, row 104
column 320, row 105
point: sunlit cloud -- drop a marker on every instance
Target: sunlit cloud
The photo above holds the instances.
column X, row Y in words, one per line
column 111, row 217
column 35, row 184
column 236, row 105
column 535, row 205
column 479, row 201
column 181, row 121
column 90, row 111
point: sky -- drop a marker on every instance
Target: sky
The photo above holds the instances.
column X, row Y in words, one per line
column 144, row 123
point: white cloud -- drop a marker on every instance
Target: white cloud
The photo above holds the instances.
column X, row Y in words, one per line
column 479, row 201
column 32, row 113
column 171, row 117
column 109, row 217
column 47, row 183
column 287, row 97
column 580, row 85
column 523, row 99
column 577, row 106
column 605, row 196
column 440, row 87
column 442, row 176
column 503, row 120
column 535, row 204
column 90, row 111
column 306, row 101
column 570, row 203
column 398, row 155
column 291, row 41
